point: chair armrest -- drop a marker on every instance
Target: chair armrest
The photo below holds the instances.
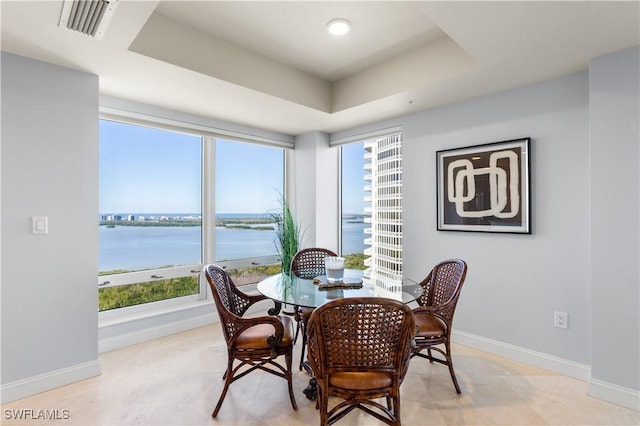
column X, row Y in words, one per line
column 247, row 299
column 437, row 311
column 252, row 298
column 433, row 310
column 246, row 322
column 273, row 340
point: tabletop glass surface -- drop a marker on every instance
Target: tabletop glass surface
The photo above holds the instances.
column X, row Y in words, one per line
column 290, row 289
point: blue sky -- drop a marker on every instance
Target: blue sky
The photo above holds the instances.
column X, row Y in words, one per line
column 146, row 170
column 249, row 178
column 353, row 178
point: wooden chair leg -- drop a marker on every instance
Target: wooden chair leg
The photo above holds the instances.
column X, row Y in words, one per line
column 450, row 365
column 228, row 379
column 396, row 410
column 304, row 345
column 298, row 319
column 323, row 400
column 288, row 360
column 295, row 337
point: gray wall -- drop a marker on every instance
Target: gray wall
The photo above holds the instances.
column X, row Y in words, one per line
column 49, row 168
column 615, row 232
column 515, row 282
column 582, row 257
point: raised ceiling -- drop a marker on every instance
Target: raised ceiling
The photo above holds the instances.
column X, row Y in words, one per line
column 273, row 65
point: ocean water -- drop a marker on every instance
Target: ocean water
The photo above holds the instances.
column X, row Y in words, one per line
column 141, row 247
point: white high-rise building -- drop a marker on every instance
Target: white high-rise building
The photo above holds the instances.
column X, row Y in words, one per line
column 384, row 184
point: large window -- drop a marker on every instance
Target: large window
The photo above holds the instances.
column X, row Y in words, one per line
column 355, row 199
column 249, row 184
column 150, row 214
column 157, row 227
column 372, row 204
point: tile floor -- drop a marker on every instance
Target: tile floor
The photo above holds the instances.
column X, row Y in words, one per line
column 176, row 380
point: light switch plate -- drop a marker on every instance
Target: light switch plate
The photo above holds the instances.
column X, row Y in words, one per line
column 39, row 225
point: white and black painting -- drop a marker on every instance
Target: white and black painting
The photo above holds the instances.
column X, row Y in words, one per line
column 485, row 188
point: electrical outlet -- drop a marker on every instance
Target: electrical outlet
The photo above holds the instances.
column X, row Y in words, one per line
column 39, row 225
column 561, row 319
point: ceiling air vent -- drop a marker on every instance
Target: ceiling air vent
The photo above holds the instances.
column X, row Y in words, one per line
column 89, row 17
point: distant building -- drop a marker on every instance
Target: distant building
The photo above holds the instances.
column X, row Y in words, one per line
column 383, row 165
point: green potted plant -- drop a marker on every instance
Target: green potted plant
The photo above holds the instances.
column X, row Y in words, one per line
column 287, row 234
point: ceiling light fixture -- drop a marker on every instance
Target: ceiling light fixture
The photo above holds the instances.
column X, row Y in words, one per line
column 338, row 26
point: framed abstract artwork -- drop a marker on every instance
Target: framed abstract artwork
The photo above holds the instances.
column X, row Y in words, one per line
column 485, row 188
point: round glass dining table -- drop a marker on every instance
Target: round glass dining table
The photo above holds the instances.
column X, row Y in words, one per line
column 303, row 291
column 307, row 292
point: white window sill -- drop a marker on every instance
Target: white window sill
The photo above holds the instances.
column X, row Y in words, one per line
column 120, row 318
column 125, row 329
column 131, row 326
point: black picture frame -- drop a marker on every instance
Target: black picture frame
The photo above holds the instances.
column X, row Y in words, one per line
column 485, row 188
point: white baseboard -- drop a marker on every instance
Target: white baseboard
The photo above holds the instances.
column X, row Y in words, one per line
column 615, row 394
column 527, row 356
column 47, row 381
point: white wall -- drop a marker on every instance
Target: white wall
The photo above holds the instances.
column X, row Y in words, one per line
column 615, row 227
column 314, row 185
column 49, row 168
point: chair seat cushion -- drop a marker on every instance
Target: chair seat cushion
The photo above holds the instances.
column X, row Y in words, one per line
column 360, row 380
column 429, row 326
column 256, row 337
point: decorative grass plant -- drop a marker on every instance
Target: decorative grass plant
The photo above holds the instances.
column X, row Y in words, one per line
column 287, row 234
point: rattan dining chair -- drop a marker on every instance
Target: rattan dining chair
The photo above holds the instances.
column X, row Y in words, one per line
column 254, row 342
column 434, row 315
column 359, row 351
column 307, row 263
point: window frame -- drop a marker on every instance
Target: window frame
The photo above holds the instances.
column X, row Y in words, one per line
column 208, row 137
column 390, row 254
